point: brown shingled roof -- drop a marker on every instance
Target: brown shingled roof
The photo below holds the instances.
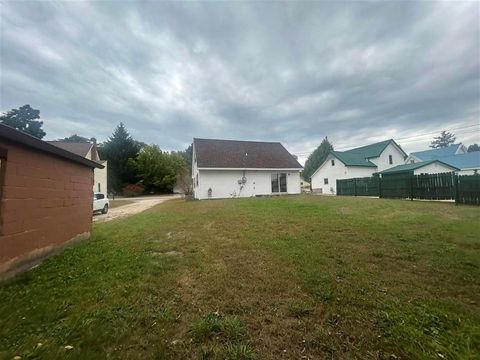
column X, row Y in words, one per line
column 10, row 134
column 78, row 148
column 243, row 154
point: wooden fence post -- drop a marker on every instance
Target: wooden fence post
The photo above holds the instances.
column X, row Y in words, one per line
column 455, row 188
column 412, row 176
column 380, row 186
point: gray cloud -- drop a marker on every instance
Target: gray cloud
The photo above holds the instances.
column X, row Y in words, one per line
column 292, row 72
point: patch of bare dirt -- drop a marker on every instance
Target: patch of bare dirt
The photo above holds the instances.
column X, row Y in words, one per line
column 138, row 205
column 167, row 253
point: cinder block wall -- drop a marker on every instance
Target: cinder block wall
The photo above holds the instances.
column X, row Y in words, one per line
column 46, row 203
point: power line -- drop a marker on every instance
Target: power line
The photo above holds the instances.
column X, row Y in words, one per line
column 436, row 132
column 304, row 153
column 458, row 133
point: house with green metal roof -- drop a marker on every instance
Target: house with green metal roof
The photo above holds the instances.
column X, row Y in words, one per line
column 362, row 161
column 418, row 168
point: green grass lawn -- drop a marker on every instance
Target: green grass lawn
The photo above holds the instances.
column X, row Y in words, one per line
column 304, row 277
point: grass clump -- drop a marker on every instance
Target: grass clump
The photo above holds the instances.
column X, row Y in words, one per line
column 228, row 352
column 301, row 309
column 217, row 326
column 240, row 352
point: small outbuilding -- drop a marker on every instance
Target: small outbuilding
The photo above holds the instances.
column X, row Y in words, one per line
column 45, row 199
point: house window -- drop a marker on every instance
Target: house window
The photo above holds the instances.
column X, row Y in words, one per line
column 196, row 176
column 333, row 162
column 412, row 161
column 279, row 182
column 325, row 181
column 99, row 188
column 390, row 159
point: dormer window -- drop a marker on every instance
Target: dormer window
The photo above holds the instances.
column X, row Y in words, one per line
column 390, row 159
column 333, row 162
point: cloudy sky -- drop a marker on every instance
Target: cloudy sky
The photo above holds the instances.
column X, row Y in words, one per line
column 294, row 72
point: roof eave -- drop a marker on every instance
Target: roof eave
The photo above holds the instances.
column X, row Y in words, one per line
column 247, row 168
column 10, row 134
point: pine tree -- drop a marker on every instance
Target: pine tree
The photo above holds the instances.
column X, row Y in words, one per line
column 316, row 158
column 118, row 150
column 444, row 140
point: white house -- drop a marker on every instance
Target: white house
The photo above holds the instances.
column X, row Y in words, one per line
column 230, row 168
column 359, row 162
column 456, row 155
column 88, row 151
column 418, row 168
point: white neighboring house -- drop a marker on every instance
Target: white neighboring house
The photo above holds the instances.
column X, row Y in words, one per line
column 418, row 168
column 88, row 151
column 359, row 162
column 456, row 155
column 231, row 168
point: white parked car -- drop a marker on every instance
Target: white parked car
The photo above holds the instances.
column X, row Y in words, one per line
column 100, row 203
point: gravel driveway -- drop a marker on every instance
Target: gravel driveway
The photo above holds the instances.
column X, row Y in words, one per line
column 140, row 204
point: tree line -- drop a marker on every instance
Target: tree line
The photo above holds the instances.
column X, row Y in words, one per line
column 153, row 170
column 132, row 164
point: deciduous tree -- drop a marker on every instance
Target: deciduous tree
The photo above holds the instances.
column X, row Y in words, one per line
column 187, row 156
column 473, row 147
column 158, row 170
column 75, row 138
column 24, row 119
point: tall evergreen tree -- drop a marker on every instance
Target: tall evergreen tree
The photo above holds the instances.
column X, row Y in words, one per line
column 24, row 119
column 444, row 140
column 118, row 150
column 316, row 158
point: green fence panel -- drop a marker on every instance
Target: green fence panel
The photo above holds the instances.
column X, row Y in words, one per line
column 346, row 187
column 469, row 189
column 445, row 186
column 434, row 186
column 396, row 186
column 367, row 186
